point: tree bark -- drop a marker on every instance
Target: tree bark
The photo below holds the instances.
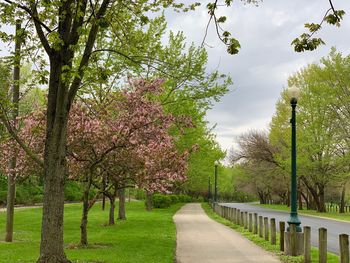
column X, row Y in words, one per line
column 10, row 205
column 11, row 182
column 112, row 196
column 300, row 201
column 306, row 199
column 55, row 168
column 149, row 203
column 84, row 218
column 103, row 195
column 111, row 220
column 261, row 198
column 60, row 99
column 342, row 200
column 322, row 204
column 121, row 211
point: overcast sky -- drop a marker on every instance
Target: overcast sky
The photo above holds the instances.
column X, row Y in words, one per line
column 261, row 69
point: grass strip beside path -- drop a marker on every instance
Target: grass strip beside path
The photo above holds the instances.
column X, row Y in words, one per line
column 330, row 215
column 145, row 237
column 266, row 245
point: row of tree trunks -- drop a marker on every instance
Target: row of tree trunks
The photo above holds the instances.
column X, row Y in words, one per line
column 121, row 211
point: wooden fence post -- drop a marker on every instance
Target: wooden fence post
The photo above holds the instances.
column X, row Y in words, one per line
column 293, row 239
column 255, row 223
column 250, row 222
column 322, row 245
column 266, row 228
column 234, row 215
column 344, row 248
column 242, row 219
column 282, row 229
column 246, row 220
column 307, row 244
column 273, row 231
column 260, row 226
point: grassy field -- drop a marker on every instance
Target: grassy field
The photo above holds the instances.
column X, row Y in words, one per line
column 332, row 215
column 146, row 237
column 332, row 258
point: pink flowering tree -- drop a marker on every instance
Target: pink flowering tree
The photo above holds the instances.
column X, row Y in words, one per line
column 126, row 140
column 30, row 131
column 105, row 141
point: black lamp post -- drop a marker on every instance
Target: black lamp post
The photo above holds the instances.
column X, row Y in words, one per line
column 293, row 93
column 216, row 182
column 209, row 190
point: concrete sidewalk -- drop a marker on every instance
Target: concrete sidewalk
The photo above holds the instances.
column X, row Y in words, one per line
column 202, row 240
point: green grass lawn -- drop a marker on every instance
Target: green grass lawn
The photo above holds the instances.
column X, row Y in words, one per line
column 147, row 237
column 331, row 258
column 332, row 215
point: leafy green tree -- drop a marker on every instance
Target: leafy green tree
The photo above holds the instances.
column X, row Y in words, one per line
column 322, row 135
column 68, row 31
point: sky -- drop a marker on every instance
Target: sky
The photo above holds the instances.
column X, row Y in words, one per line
column 261, row 69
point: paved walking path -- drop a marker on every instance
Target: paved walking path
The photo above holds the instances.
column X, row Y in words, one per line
column 202, row 240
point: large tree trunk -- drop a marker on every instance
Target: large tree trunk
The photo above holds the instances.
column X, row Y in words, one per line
column 84, row 218
column 11, row 182
column 342, row 200
column 306, row 199
column 121, row 211
column 111, row 220
column 322, row 204
column 314, row 198
column 55, row 168
column 300, row 201
column 103, row 193
column 149, row 203
column 51, row 249
column 11, row 195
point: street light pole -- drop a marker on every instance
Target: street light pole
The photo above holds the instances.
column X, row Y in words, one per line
column 209, row 190
column 216, row 182
column 294, row 219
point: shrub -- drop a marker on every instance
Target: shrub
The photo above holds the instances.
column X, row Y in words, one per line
column 174, row 199
column 73, row 191
column 3, row 197
column 28, row 193
column 184, row 198
column 161, row 201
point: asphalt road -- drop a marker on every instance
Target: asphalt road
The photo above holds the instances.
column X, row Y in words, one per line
column 334, row 228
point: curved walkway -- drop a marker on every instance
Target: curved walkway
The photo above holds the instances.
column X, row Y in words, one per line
column 202, row 240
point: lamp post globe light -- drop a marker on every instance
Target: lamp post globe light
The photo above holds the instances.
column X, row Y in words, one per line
column 216, row 182
column 293, row 93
